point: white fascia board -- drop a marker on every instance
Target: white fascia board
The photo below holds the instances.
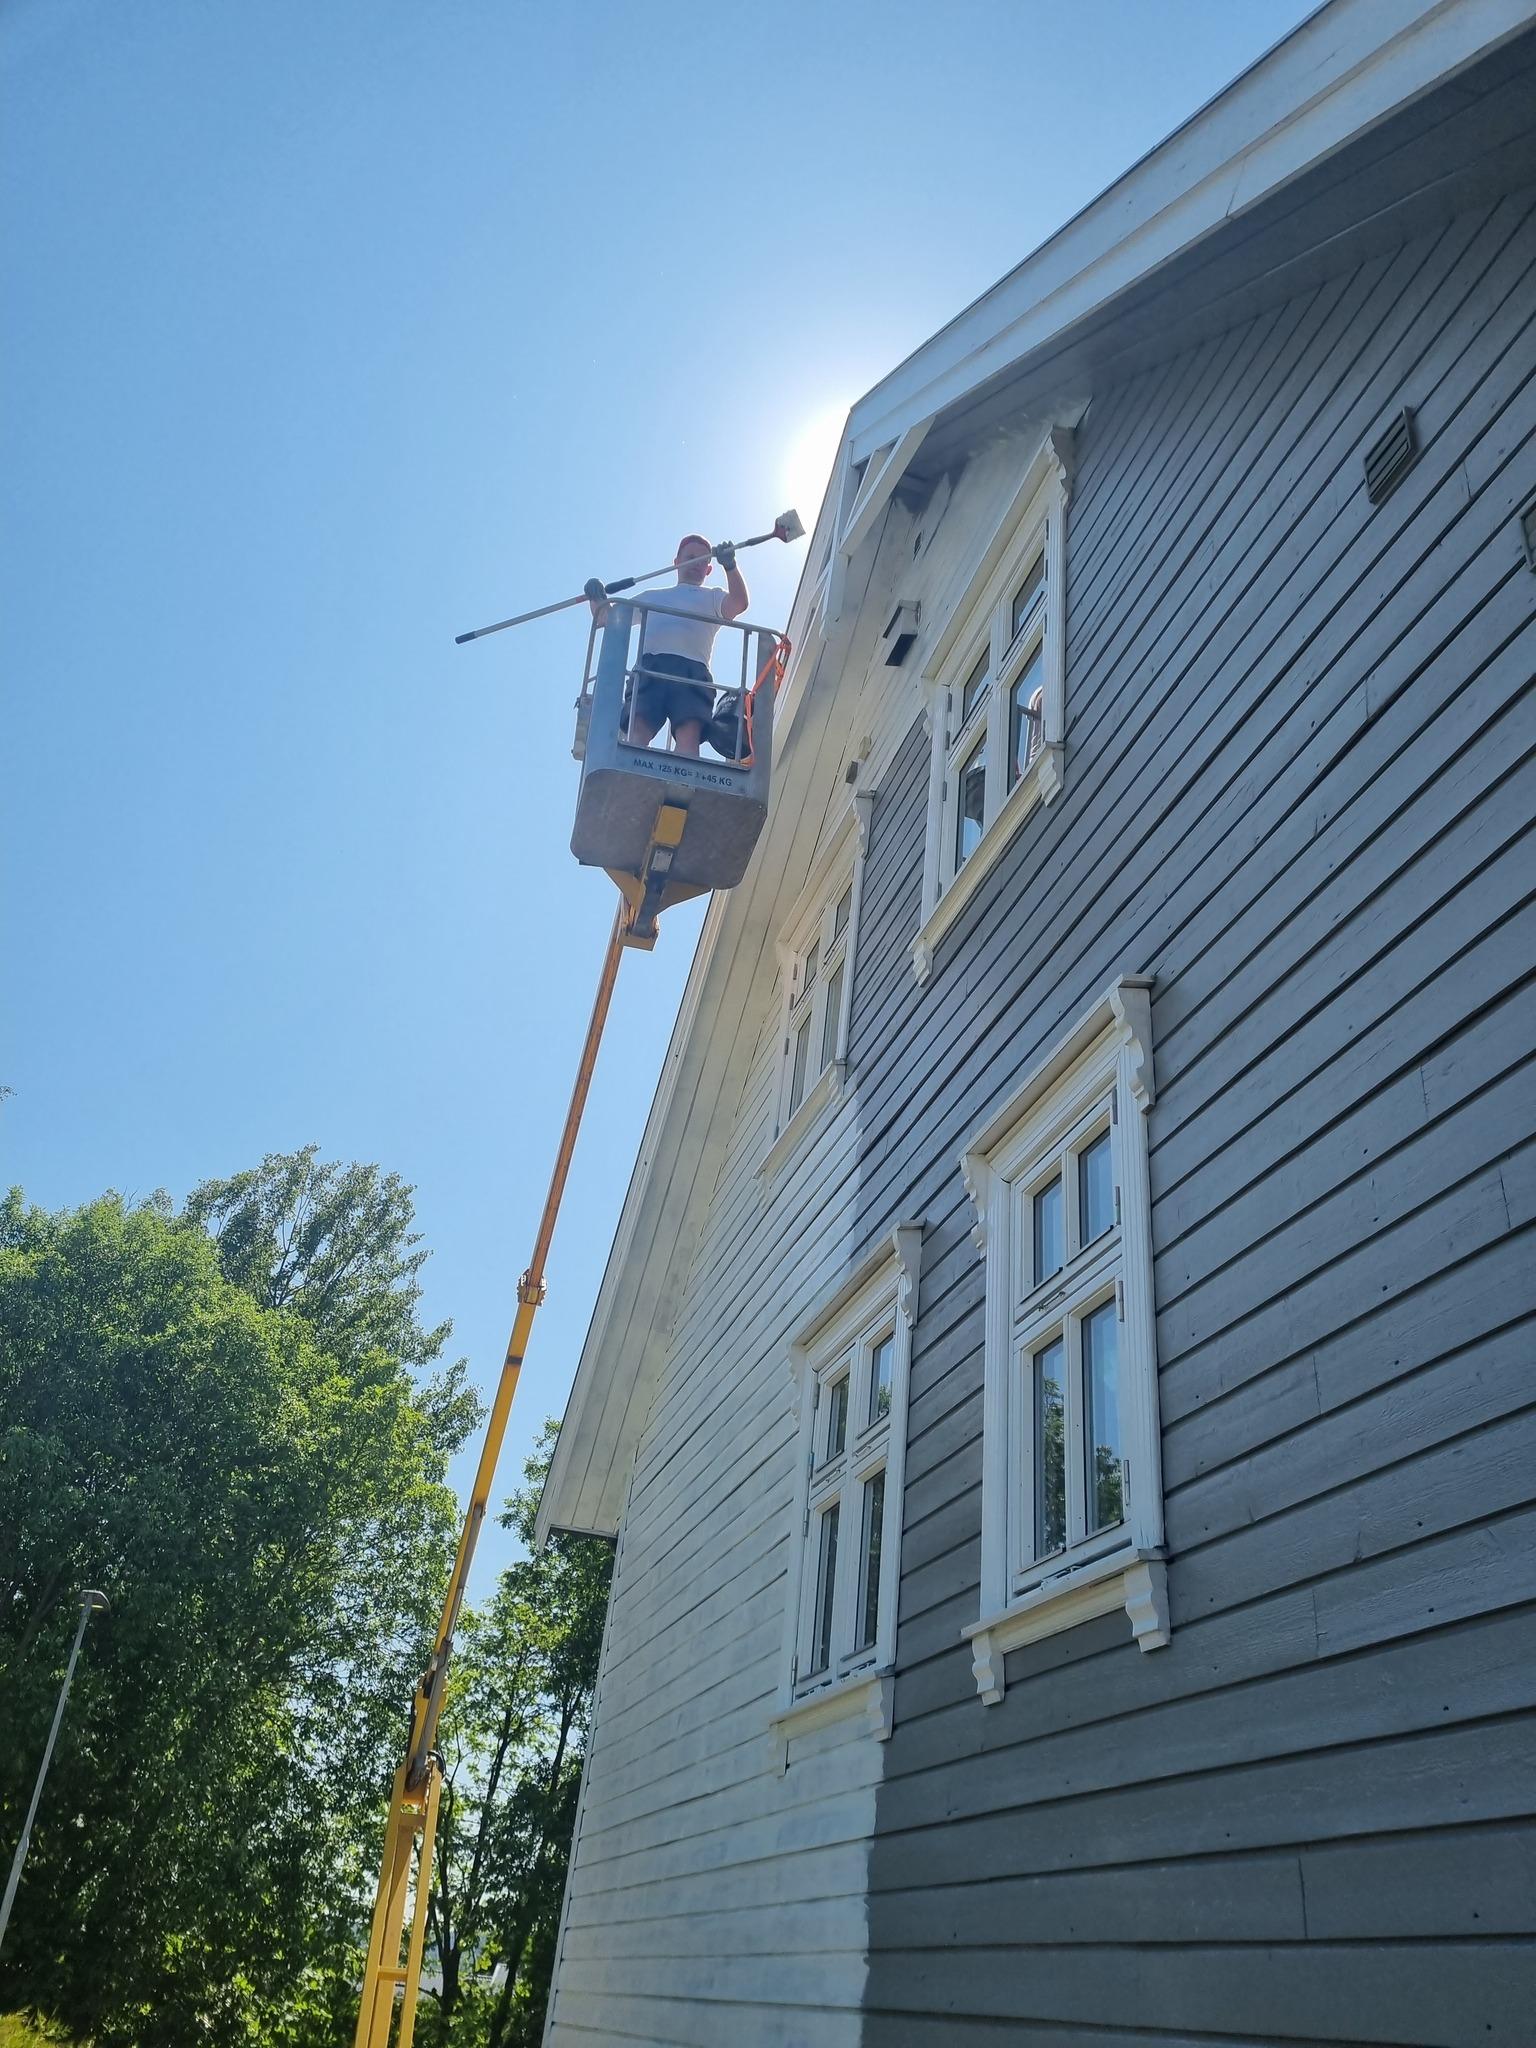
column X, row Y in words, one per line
column 1344, row 70
column 573, row 1491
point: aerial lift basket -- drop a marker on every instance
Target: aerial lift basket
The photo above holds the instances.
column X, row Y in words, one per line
column 666, row 826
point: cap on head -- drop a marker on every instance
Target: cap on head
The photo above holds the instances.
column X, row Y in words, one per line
column 696, row 541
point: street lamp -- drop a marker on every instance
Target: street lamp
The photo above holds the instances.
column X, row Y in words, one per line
column 91, row 1602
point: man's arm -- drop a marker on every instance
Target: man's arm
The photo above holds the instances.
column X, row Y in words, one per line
column 735, row 600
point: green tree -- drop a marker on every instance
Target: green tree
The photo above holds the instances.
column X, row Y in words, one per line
column 513, row 1738
column 335, row 1245
column 236, row 1447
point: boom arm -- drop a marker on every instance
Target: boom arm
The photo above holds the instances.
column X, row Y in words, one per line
column 400, row 1907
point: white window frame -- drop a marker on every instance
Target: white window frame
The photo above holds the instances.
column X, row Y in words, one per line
column 842, row 1339
column 839, row 873
column 1033, row 529
column 1098, row 1078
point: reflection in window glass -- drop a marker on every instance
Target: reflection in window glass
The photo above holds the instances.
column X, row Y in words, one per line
column 801, row 1054
column 882, row 1367
column 832, row 1015
column 1050, row 1249
column 1023, row 730
column 840, row 915
column 970, row 805
column 869, row 1587
column 975, row 687
column 1103, row 1444
column 826, row 1587
column 1050, row 1452
column 1026, row 598
column 837, row 1417
column 808, row 971
column 1095, row 1190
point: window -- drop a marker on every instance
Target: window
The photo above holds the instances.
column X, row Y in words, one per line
column 998, row 696
column 1065, row 1348
column 851, row 1381
column 1071, row 1495
column 882, row 1367
column 816, row 960
column 847, row 1491
column 816, row 1022
column 995, row 728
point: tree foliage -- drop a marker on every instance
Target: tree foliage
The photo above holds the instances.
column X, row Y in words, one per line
column 333, row 1243
column 218, row 1419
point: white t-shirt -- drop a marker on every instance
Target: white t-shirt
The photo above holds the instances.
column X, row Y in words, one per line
column 693, row 637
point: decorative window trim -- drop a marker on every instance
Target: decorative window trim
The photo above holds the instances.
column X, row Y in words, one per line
column 1135, row 1580
column 843, row 862
column 882, row 1285
column 1105, row 1056
column 872, row 1698
column 976, row 630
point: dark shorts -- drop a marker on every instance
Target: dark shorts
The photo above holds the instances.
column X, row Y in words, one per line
column 672, row 690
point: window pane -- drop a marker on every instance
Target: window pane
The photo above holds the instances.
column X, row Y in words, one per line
column 826, row 1589
column 1095, row 1190
column 1050, row 1452
column 808, row 968
column 975, row 687
column 800, row 1054
column 1023, row 726
column 1101, row 1435
column 882, row 1367
column 970, row 802
column 840, row 915
column 1050, row 1252
column 831, row 1016
column 1026, row 597
column 837, row 1417
column 869, row 1586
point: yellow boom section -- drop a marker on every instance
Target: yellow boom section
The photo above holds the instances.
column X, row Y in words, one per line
column 399, row 1912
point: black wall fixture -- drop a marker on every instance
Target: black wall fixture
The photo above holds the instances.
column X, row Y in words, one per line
column 1389, row 459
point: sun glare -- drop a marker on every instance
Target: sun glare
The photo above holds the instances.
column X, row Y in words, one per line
column 808, row 461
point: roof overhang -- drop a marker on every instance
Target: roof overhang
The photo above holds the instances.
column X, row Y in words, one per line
column 1371, row 114
column 1345, row 71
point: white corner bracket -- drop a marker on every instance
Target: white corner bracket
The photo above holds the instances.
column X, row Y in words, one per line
column 870, row 1701
column 1136, row 1581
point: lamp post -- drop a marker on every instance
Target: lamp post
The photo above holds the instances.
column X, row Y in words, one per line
column 91, row 1602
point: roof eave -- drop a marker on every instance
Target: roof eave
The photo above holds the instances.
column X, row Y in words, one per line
column 1346, row 68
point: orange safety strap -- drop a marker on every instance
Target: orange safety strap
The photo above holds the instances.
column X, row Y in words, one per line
column 774, row 666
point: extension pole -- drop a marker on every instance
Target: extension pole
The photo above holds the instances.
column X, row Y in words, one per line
column 786, row 527
column 399, row 1907
column 91, row 1602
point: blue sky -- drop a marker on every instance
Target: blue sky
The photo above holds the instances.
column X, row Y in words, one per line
column 331, row 328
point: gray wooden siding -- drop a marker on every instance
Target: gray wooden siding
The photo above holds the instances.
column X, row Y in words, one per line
column 1299, row 786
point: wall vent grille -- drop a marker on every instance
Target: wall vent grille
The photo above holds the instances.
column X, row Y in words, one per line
column 900, row 632
column 1389, row 460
